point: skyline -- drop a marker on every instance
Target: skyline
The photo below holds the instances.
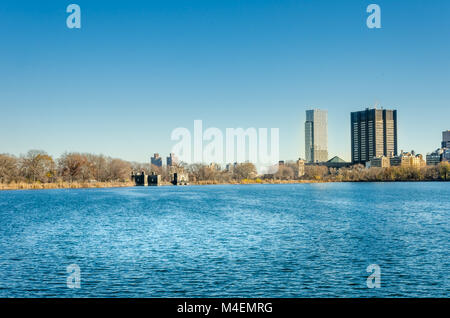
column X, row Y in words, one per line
column 133, row 73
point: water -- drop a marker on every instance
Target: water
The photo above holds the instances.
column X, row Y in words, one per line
column 304, row 240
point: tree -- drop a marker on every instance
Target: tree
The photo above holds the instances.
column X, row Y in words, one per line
column 8, row 168
column 37, row 165
column 316, row 172
column 284, row 173
column 245, row 170
column 444, row 170
column 74, row 167
column 119, row 170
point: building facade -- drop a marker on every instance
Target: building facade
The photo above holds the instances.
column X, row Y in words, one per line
column 156, row 160
column 406, row 159
column 434, row 158
column 380, row 162
column 172, row 160
column 438, row 156
column 316, row 136
column 446, row 139
column 374, row 134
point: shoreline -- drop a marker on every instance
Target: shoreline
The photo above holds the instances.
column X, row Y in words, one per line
column 106, row 185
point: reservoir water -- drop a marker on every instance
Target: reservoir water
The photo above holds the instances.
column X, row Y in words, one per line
column 299, row 240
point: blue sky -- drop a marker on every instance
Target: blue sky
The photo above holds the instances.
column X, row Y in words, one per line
column 138, row 69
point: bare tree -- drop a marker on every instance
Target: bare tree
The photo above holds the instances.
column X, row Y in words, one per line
column 245, row 170
column 9, row 168
column 37, row 165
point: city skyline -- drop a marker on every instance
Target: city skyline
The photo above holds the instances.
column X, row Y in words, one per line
column 107, row 87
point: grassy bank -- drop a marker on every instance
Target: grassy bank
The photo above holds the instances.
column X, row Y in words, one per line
column 81, row 185
column 63, row 185
column 255, row 181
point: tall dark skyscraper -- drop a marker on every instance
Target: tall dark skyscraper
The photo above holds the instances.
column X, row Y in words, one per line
column 446, row 139
column 374, row 133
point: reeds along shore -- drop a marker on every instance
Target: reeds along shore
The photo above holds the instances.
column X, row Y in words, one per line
column 62, row 185
column 38, row 170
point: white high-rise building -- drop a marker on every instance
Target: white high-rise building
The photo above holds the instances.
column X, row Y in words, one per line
column 316, row 135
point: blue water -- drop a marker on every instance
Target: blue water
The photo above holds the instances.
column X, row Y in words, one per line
column 304, row 240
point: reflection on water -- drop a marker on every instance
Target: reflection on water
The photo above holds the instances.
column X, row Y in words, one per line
column 211, row 241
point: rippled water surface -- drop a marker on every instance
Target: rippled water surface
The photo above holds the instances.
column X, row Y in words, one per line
column 305, row 240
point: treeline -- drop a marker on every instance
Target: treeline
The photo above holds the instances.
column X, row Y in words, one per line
column 38, row 166
column 289, row 172
column 358, row 173
column 202, row 173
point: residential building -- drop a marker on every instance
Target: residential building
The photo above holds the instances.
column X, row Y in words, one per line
column 374, row 134
column 446, row 155
column 316, row 135
column 156, row 160
column 406, row 159
column 439, row 155
column 172, row 160
column 380, row 162
column 446, row 139
column 434, row 158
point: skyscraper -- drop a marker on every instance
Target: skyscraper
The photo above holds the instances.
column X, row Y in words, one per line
column 316, row 135
column 172, row 160
column 156, row 160
column 374, row 134
column 446, row 139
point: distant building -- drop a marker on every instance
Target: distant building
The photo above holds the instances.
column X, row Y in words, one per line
column 434, row 158
column 154, row 179
column 380, row 162
column 446, row 155
column 406, row 159
column 337, row 163
column 446, row 139
column 438, row 156
column 156, row 160
column 334, row 162
column 316, row 135
column 301, row 168
column 374, row 134
column 172, row 160
column 180, row 179
column 139, row 178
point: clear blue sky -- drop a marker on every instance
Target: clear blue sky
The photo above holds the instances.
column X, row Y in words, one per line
column 138, row 69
